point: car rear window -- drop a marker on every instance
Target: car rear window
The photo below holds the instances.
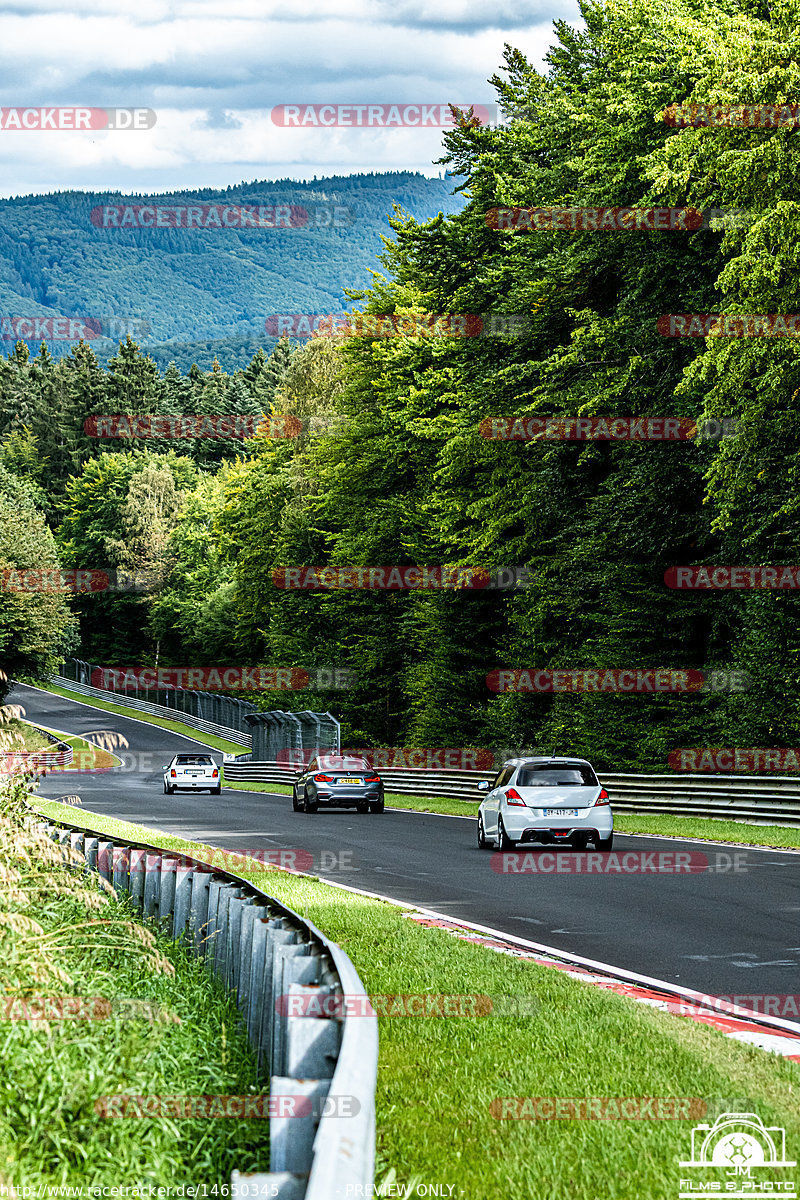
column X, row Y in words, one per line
column 193, row 760
column 547, row 775
column 335, row 762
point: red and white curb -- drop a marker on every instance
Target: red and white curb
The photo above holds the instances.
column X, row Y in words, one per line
column 786, row 1043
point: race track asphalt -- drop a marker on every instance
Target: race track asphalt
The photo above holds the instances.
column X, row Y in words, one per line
column 721, row 930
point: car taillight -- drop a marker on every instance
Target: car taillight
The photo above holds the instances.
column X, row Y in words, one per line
column 214, row 773
column 513, row 797
column 323, row 779
column 173, row 774
column 372, row 779
column 602, row 798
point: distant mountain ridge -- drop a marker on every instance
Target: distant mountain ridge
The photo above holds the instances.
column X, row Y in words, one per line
column 188, row 294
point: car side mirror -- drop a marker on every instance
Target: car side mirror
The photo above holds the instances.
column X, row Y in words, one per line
column 165, row 767
column 484, row 785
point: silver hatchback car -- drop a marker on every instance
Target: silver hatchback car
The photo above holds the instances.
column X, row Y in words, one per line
column 547, row 800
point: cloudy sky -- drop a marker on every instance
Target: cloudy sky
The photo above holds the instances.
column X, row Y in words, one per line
column 213, row 71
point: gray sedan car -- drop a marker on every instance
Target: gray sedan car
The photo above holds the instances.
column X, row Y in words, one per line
column 338, row 782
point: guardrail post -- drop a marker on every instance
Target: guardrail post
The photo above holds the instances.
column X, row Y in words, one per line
column 277, row 939
column 291, row 1137
column 166, row 895
column 209, row 950
column 152, row 871
column 105, row 865
column 136, row 875
column 120, row 868
column 184, row 875
column 227, row 896
column 293, row 964
column 90, row 850
column 234, row 940
column 250, row 916
column 76, row 842
column 198, row 913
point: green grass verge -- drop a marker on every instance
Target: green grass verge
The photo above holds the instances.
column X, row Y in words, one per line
column 167, row 1029
column 438, row 1077
column 20, row 735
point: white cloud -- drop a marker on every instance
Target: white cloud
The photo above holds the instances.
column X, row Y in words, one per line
column 212, row 69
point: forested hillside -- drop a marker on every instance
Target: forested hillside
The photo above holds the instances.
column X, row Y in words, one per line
column 410, row 478
column 193, row 294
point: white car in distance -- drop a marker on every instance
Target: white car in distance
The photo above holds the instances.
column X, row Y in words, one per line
column 194, row 772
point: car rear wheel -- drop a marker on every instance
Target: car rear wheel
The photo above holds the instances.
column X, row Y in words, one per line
column 169, row 790
column 504, row 842
column 362, row 806
column 296, row 806
column 377, row 806
column 579, row 841
column 217, row 791
column 605, row 843
column 309, row 806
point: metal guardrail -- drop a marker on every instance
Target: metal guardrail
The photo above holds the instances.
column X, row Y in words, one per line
column 263, row 731
column 154, row 710
column 752, row 798
column 262, row 950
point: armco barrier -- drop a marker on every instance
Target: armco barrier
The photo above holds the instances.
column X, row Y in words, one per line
column 261, row 950
column 154, row 710
column 272, row 729
column 753, row 798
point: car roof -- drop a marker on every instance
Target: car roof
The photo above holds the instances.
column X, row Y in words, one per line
column 543, row 761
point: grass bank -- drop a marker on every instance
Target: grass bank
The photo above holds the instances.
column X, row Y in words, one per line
column 153, row 1023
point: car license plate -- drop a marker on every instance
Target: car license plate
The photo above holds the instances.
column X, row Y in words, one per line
column 350, row 781
column 559, row 812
